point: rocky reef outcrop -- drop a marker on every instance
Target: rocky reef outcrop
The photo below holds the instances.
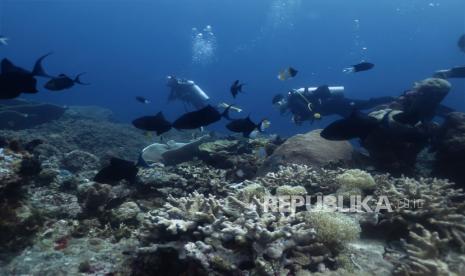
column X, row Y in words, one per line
column 308, row 149
column 21, row 114
column 74, row 131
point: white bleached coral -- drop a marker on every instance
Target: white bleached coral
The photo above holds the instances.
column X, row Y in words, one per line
column 230, row 235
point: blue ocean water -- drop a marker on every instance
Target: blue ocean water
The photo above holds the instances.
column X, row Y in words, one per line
column 127, row 48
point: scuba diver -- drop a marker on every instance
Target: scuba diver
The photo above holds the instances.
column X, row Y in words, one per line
column 187, row 91
column 311, row 103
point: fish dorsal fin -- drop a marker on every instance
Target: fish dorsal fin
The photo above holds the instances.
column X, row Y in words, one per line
column 117, row 162
column 160, row 116
column 7, row 65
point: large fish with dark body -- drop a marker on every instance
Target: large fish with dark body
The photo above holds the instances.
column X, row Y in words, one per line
column 117, row 170
column 15, row 80
column 360, row 125
column 156, row 123
column 245, row 126
column 362, row 66
column 63, row 82
column 200, row 118
column 357, row 125
column 461, row 43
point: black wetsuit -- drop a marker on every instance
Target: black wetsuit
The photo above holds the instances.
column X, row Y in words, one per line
column 298, row 105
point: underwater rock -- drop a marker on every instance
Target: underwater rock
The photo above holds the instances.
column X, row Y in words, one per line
column 101, row 138
column 18, row 224
column 450, row 149
column 56, row 251
column 394, row 148
column 54, row 204
column 20, row 114
column 94, row 196
column 77, row 161
column 308, row 149
column 16, row 170
column 126, row 213
column 219, row 153
column 90, row 112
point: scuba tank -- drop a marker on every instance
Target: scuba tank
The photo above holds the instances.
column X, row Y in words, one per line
column 197, row 91
column 337, row 91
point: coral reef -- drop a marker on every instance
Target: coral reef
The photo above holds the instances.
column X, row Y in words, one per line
column 354, row 182
column 315, row 180
column 20, row 114
column 69, row 133
column 220, row 236
column 211, row 214
column 424, row 254
column 450, row 149
column 183, row 179
column 432, row 203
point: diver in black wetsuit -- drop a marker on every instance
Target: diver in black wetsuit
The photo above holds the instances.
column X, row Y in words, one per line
column 308, row 104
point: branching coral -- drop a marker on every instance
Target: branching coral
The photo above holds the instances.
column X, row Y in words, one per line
column 314, row 180
column 433, row 203
column 424, row 253
column 229, row 235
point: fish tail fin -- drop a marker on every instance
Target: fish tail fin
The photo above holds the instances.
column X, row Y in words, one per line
column 348, row 70
column 38, row 69
column 78, row 79
column 226, row 112
column 4, row 40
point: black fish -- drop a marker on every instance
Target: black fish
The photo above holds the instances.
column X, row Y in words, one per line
column 199, row 118
column 63, row 82
column 363, row 66
column 292, row 72
column 277, row 98
column 236, row 87
column 461, row 43
column 118, row 169
column 245, row 126
column 16, row 80
column 156, row 123
column 357, row 125
column 142, row 100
